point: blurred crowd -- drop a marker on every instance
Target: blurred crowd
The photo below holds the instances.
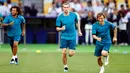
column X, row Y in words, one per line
column 26, row 10
column 86, row 11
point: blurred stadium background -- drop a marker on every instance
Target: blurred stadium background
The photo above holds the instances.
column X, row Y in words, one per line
column 41, row 15
column 41, row 35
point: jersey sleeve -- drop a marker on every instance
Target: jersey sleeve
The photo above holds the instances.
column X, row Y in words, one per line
column 94, row 29
column 112, row 26
column 76, row 18
column 23, row 20
column 58, row 22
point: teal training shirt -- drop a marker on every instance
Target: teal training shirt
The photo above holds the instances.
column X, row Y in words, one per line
column 69, row 22
column 15, row 29
column 103, row 31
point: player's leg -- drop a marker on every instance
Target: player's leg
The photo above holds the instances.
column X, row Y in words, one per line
column 97, row 53
column 106, row 57
column 105, row 53
column 63, row 46
column 71, row 45
column 71, row 52
column 64, row 59
column 15, row 47
column 11, row 41
column 100, row 63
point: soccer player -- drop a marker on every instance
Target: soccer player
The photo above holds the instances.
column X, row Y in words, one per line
column 101, row 32
column 65, row 23
column 13, row 22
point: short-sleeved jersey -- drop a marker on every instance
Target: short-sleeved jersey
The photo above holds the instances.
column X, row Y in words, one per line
column 69, row 22
column 103, row 31
column 15, row 29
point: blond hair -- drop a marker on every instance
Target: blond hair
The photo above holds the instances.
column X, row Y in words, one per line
column 65, row 3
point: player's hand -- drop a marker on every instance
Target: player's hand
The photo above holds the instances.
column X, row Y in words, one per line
column 23, row 33
column 63, row 28
column 99, row 39
column 79, row 33
column 11, row 23
column 114, row 39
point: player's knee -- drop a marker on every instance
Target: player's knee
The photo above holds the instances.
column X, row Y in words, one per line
column 64, row 51
column 104, row 53
column 71, row 53
column 15, row 45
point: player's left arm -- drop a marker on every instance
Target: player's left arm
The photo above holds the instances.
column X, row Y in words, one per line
column 78, row 25
column 23, row 26
column 23, row 29
column 112, row 26
column 115, row 34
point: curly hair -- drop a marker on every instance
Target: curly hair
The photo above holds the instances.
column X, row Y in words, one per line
column 17, row 8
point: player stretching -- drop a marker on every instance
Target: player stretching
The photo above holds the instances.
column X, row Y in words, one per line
column 66, row 25
column 13, row 22
column 101, row 32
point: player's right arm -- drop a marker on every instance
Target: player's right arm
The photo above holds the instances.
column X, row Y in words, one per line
column 6, row 22
column 10, row 24
column 59, row 26
column 97, row 38
column 94, row 33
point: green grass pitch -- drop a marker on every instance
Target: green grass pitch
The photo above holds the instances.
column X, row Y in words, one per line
column 49, row 60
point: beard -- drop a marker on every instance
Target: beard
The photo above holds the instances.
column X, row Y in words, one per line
column 14, row 14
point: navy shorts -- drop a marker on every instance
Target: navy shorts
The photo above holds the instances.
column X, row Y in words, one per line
column 13, row 38
column 99, row 48
column 71, row 44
